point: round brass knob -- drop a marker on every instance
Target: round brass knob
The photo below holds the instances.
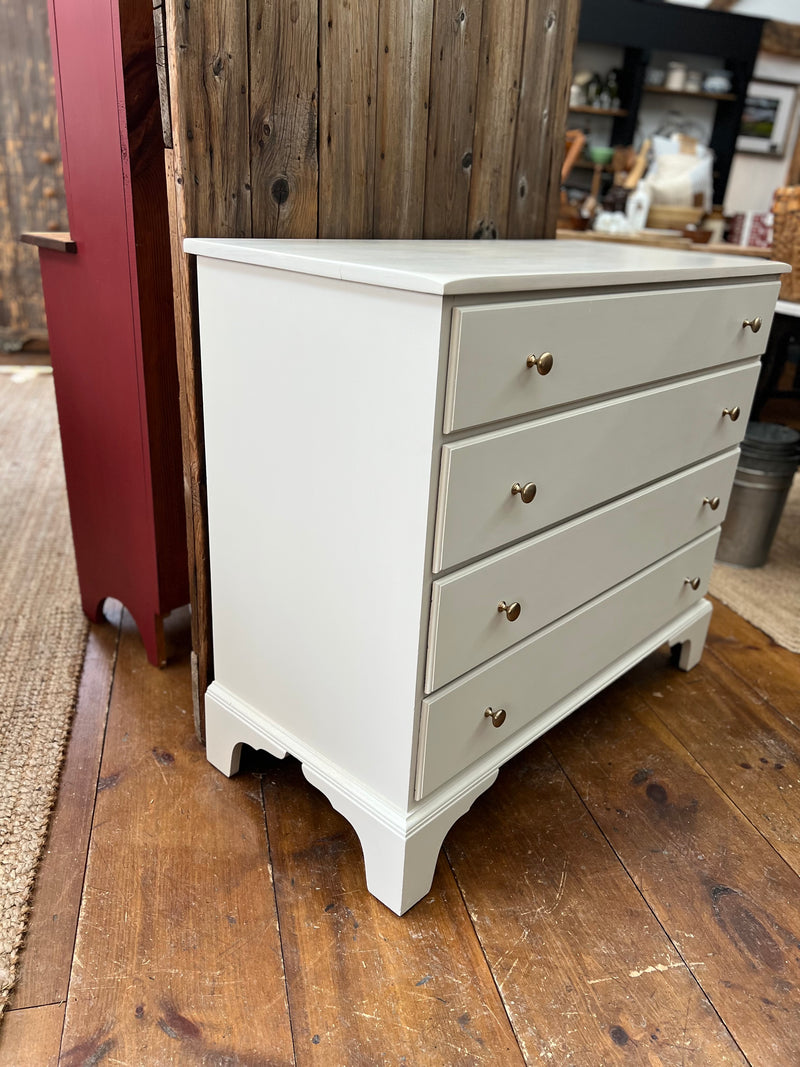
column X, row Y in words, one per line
column 754, row 324
column 498, row 717
column 693, row 582
column 732, row 413
column 543, row 363
column 712, row 501
column 526, row 492
column 512, row 610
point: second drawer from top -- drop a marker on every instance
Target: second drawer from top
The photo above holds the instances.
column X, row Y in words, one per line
column 500, row 487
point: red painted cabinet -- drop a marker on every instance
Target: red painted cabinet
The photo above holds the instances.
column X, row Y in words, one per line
column 108, row 297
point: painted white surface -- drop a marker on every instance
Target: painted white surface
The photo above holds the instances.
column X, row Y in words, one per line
column 782, row 10
column 754, row 178
column 324, row 401
column 319, row 420
column 655, row 336
column 579, row 458
column 455, row 267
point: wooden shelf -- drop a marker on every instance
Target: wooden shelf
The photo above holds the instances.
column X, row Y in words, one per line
column 614, row 112
column 686, row 92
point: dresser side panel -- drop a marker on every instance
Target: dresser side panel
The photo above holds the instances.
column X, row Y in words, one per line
column 320, row 404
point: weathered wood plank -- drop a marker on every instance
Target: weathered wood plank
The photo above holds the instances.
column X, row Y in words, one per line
column 283, row 117
column 347, row 87
column 585, row 973
column 46, row 959
column 741, row 742
column 451, row 123
column 757, row 660
column 781, row 38
column 404, row 62
column 187, row 347
column 208, row 78
column 177, row 958
column 31, row 176
column 56, row 242
column 550, row 33
column 727, row 901
column 499, row 76
column 31, row 1037
column 367, row 987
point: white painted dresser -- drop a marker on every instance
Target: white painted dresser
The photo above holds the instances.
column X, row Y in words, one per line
column 454, row 489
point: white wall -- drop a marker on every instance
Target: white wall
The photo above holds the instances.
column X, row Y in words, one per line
column 753, row 179
column 782, row 10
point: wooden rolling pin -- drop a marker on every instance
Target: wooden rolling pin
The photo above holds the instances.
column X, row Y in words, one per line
column 638, row 168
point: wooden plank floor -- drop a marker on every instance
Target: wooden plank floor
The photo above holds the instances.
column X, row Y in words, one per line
column 628, row 892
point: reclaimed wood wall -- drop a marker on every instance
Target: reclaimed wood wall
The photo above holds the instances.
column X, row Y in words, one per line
column 358, row 119
column 31, row 180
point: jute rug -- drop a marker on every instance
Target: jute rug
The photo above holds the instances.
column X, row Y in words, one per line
column 42, row 640
column 769, row 596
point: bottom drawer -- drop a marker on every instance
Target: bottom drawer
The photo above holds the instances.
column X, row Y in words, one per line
column 528, row 679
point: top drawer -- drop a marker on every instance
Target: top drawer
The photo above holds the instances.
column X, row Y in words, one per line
column 599, row 344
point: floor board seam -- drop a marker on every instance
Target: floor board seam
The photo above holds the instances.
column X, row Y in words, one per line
column 647, row 904
column 483, row 952
column 271, row 867
column 112, row 679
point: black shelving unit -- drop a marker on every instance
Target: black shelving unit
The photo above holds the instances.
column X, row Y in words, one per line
column 642, row 27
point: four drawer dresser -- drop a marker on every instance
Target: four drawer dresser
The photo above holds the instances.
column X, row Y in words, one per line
column 455, row 489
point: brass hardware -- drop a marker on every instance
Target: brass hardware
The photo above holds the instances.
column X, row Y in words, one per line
column 543, row 363
column 712, row 501
column 693, row 582
column 754, row 324
column 732, row 413
column 498, row 717
column 527, row 491
column 512, row 610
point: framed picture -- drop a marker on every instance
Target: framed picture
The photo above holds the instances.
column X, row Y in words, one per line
column 767, row 115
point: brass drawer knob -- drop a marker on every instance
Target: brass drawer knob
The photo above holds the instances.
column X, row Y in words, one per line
column 754, row 324
column 693, row 582
column 543, row 363
column 732, row 413
column 526, row 492
column 498, row 717
column 712, row 501
column 512, row 610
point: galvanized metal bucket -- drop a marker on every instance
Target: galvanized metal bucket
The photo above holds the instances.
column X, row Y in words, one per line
column 769, row 459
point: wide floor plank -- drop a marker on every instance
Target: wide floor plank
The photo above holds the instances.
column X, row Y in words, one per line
column 749, row 749
column 586, row 972
column 31, row 1037
column 757, row 660
column 47, row 960
column 177, row 959
column 367, row 987
column 727, row 901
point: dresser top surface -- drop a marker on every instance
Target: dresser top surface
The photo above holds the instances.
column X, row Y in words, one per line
column 454, row 267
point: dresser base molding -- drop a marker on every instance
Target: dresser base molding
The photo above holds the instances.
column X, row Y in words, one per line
column 401, row 848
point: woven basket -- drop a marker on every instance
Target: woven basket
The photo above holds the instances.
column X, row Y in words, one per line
column 786, row 238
